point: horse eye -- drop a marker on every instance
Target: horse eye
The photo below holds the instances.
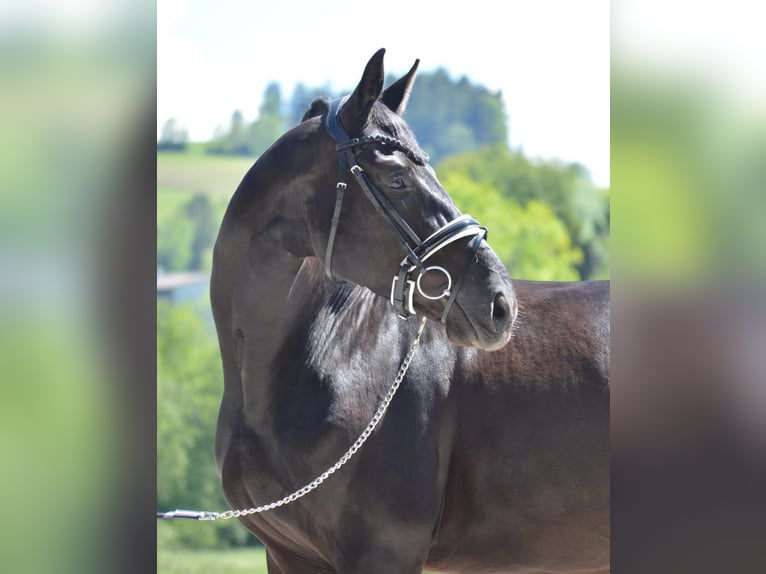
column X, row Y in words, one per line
column 398, row 183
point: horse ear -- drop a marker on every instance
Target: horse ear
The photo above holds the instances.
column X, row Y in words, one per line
column 357, row 108
column 396, row 95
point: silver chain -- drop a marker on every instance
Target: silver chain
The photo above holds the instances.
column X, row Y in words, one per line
column 376, row 418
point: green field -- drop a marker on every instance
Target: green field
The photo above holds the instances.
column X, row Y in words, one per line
column 237, row 561
column 196, row 172
column 181, row 175
column 234, row 561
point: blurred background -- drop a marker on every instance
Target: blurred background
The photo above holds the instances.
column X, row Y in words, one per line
column 114, row 177
column 688, row 403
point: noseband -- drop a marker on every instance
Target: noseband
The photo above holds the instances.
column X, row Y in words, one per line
column 417, row 251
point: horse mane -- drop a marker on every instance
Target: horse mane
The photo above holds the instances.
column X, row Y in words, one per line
column 318, row 107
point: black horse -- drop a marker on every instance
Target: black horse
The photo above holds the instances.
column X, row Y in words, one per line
column 486, row 461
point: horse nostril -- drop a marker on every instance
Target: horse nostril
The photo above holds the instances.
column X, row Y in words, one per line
column 501, row 313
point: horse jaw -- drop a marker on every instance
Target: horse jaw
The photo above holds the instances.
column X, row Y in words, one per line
column 490, row 329
column 471, row 337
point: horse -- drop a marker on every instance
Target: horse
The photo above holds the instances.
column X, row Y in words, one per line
column 493, row 454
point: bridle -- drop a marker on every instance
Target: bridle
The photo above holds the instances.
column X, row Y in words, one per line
column 417, row 251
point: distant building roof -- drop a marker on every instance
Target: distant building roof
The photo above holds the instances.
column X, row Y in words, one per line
column 171, row 281
column 182, row 287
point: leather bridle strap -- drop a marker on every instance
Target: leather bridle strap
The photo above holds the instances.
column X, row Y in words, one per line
column 340, row 190
column 404, row 233
column 403, row 288
column 463, row 274
column 417, row 251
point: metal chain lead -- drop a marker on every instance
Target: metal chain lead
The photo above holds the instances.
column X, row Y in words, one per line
column 376, row 418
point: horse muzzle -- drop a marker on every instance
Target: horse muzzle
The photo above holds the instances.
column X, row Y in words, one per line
column 485, row 310
column 487, row 326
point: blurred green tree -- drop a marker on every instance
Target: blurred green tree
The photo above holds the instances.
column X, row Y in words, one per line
column 529, row 239
column 175, row 237
column 567, row 189
column 189, row 386
column 301, row 99
column 254, row 138
column 270, row 124
column 450, row 117
column 201, row 213
column 173, row 137
column 233, row 141
column 185, row 239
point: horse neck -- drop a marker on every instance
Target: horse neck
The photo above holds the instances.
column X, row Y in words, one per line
column 269, row 290
column 263, row 239
column 265, row 294
column 303, row 325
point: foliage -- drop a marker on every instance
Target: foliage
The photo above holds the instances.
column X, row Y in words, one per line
column 185, row 239
column 173, row 137
column 270, row 123
column 450, row 117
column 262, row 133
column 200, row 212
column 530, row 240
column 234, row 141
column 189, row 386
column 254, row 138
column 566, row 188
column 301, row 100
column 174, row 243
column 192, row 195
column 447, row 117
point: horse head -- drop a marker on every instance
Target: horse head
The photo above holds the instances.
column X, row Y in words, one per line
column 391, row 226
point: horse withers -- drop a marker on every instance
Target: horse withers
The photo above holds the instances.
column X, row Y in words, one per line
column 493, row 455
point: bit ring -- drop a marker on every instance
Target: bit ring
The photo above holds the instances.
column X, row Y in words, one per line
column 444, row 293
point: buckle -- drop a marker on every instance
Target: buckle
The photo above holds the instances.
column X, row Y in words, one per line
column 404, row 304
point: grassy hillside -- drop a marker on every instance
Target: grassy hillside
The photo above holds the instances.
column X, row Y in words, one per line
column 196, row 172
column 234, row 561
column 182, row 175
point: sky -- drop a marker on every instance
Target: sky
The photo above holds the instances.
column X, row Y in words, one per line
column 548, row 58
